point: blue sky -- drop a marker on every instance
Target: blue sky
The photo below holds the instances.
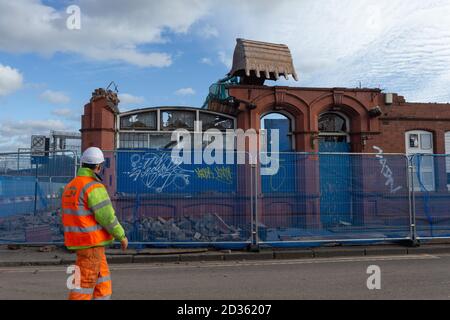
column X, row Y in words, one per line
column 169, row 52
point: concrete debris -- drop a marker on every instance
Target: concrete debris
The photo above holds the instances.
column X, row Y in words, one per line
column 206, row 228
column 47, row 227
column 44, row 227
column 13, row 247
column 47, row 249
column 197, row 236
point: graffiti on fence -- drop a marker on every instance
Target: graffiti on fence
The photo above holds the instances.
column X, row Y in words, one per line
column 284, row 180
column 220, row 173
column 158, row 171
column 386, row 171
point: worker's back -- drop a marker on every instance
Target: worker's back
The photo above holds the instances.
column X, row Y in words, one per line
column 90, row 224
column 80, row 226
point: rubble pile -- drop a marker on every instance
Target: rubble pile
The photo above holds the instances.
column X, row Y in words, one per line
column 207, row 228
column 47, row 227
column 19, row 227
column 110, row 96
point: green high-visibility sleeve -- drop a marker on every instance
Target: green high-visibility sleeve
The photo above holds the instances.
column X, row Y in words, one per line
column 100, row 203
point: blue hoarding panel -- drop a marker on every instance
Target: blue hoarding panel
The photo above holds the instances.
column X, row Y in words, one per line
column 154, row 171
column 282, row 180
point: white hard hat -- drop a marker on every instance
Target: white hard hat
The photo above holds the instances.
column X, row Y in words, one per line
column 92, row 155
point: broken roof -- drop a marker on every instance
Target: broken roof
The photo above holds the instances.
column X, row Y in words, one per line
column 267, row 60
column 110, row 96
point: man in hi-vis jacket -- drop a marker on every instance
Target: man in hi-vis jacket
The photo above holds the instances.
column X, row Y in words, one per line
column 90, row 224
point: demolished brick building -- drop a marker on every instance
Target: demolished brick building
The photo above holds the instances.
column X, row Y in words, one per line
column 334, row 120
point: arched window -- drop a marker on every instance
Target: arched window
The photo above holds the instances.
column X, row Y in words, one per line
column 333, row 127
column 282, row 123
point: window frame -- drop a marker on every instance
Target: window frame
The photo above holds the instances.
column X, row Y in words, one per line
column 336, row 133
column 159, row 113
column 154, row 113
column 289, row 117
column 411, row 151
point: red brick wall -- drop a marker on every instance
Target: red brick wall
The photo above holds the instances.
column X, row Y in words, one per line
column 306, row 104
column 98, row 126
column 400, row 118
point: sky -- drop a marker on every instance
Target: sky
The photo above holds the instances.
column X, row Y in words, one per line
column 167, row 53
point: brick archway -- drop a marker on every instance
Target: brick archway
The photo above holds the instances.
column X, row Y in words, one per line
column 349, row 106
column 288, row 104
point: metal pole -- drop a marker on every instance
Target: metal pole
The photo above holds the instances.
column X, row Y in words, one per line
column 252, row 206
column 254, row 196
column 409, row 184
column 413, row 201
column 35, row 189
column 256, row 168
column 51, row 192
column 75, row 156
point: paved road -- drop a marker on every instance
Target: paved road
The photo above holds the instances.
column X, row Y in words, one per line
column 402, row 277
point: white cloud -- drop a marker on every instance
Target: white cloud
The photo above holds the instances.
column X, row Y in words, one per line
column 10, row 80
column 207, row 31
column 17, row 134
column 110, row 29
column 63, row 112
column 30, row 126
column 185, row 92
column 67, row 114
column 207, row 61
column 225, row 59
column 127, row 99
column 403, row 46
column 55, row 97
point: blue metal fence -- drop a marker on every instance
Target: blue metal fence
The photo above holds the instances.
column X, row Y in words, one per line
column 431, row 185
column 161, row 201
column 339, row 197
column 30, row 187
column 309, row 199
column 155, row 172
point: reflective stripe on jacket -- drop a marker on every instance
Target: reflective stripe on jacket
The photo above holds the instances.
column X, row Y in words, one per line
column 88, row 216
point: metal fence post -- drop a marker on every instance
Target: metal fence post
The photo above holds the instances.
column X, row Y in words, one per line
column 35, row 189
column 254, row 246
column 257, row 178
column 412, row 206
column 75, row 163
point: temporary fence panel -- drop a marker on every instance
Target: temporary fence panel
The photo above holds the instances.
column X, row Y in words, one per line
column 431, row 185
column 335, row 182
column 156, row 172
column 30, row 193
column 337, row 198
column 163, row 200
column 296, row 199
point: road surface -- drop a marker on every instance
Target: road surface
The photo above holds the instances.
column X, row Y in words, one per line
column 402, row 277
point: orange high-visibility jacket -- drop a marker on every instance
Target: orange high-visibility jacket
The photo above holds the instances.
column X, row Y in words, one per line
column 81, row 229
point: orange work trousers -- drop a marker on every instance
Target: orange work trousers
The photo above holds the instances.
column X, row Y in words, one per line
column 95, row 279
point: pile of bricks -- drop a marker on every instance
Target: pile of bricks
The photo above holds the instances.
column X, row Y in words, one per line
column 47, row 227
column 44, row 227
column 205, row 228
